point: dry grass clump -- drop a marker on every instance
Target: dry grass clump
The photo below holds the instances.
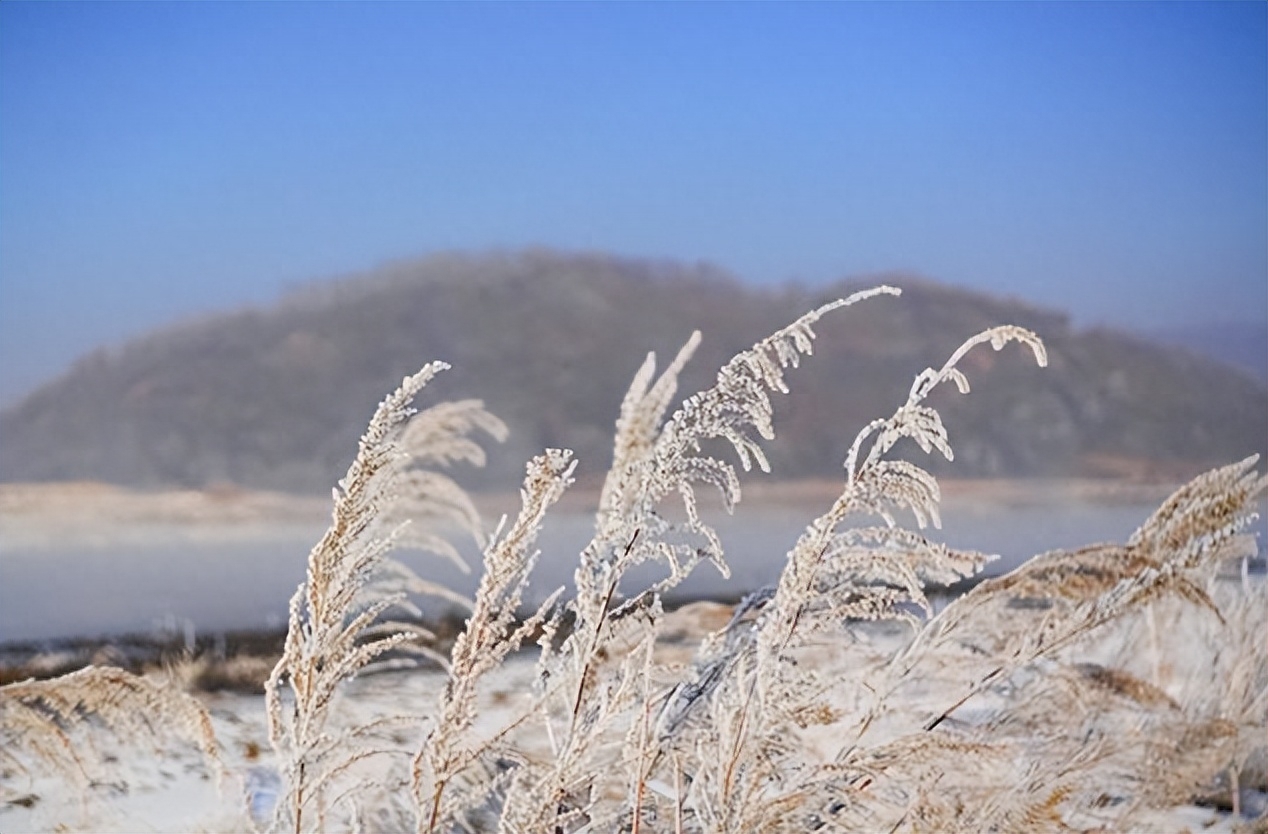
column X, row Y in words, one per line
column 1049, row 699
column 1099, row 743
column 69, row 725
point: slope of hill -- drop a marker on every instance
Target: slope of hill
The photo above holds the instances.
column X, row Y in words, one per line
column 1242, row 344
column 276, row 398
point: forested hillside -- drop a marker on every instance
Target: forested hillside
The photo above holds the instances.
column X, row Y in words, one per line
column 277, row 397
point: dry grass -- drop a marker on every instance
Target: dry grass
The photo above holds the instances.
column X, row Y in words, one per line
column 68, row 725
column 1049, row 699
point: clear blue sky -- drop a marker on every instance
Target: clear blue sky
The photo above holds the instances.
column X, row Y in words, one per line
column 158, row 160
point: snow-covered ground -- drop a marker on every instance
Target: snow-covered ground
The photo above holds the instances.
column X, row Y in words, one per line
column 174, row 791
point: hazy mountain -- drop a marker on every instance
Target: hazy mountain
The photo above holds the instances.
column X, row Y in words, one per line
column 278, row 397
column 1242, row 344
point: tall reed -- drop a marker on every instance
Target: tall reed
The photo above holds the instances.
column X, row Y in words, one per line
column 1090, row 689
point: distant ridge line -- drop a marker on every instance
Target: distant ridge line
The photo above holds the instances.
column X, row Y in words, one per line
column 275, row 398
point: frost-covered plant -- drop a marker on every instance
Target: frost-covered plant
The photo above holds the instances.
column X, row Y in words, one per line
column 837, row 700
column 735, row 721
column 585, row 710
column 62, row 725
column 1057, row 599
column 451, row 751
column 946, row 732
column 1000, row 702
column 336, row 628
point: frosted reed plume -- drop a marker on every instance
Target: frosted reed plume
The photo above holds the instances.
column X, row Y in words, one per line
column 952, row 731
column 1018, row 664
column 582, row 708
column 450, row 751
column 736, row 720
column 335, row 628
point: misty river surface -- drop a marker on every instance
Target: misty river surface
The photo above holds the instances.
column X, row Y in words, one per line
column 166, row 579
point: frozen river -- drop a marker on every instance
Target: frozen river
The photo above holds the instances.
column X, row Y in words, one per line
column 163, row 576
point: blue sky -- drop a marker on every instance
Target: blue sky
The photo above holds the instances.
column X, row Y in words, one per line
column 159, row 160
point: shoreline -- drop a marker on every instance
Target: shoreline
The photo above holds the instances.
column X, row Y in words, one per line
column 73, row 504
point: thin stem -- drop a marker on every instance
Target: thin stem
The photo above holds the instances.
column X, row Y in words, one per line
column 435, row 807
column 299, row 798
column 739, row 740
column 642, row 756
column 931, row 724
column 677, row 795
column 748, row 697
column 594, row 639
